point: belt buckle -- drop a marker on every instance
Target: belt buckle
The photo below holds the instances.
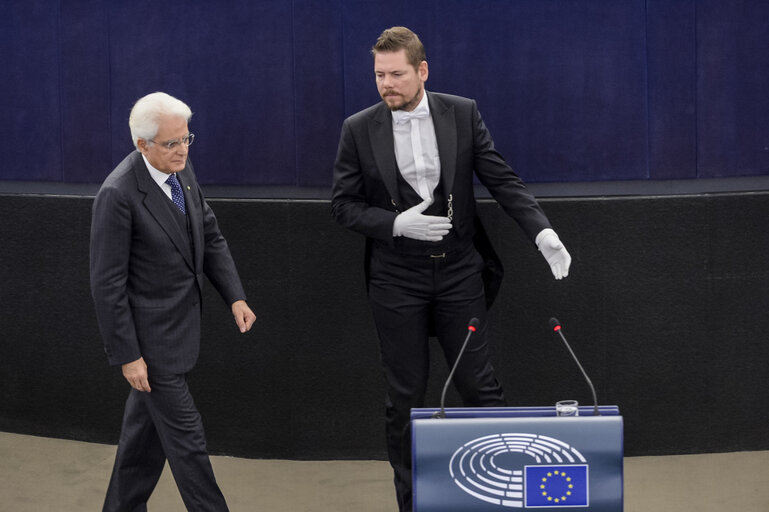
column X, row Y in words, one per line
column 441, row 255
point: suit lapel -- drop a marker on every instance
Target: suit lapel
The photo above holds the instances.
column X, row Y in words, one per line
column 380, row 131
column 189, row 188
column 156, row 203
column 446, row 137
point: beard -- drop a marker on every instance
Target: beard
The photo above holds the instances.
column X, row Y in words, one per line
column 404, row 104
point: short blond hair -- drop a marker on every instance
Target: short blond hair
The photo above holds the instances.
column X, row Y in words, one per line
column 401, row 38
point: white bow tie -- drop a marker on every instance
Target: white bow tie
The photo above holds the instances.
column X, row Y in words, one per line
column 402, row 117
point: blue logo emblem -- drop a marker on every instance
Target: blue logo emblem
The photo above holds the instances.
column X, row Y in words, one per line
column 519, row 470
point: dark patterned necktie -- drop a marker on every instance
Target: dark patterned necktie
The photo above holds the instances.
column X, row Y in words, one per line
column 176, row 193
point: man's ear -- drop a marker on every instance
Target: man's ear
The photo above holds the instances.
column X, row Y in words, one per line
column 142, row 146
column 423, row 71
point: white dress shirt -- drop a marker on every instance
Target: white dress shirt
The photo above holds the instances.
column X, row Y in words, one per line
column 416, row 148
column 160, row 178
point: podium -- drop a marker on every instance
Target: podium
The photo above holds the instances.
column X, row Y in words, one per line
column 510, row 458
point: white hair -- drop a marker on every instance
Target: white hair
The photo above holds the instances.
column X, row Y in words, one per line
column 147, row 112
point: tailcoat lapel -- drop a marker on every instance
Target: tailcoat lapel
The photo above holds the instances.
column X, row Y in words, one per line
column 380, row 131
column 446, row 137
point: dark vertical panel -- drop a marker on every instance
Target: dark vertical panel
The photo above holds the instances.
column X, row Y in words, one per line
column 672, row 81
column 733, row 79
column 737, row 299
column 319, row 88
column 47, row 324
column 85, row 100
column 231, row 62
column 30, row 130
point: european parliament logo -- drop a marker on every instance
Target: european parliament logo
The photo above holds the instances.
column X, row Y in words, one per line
column 520, row 470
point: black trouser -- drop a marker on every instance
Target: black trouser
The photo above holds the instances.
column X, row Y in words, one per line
column 407, row 293
column 159, row 425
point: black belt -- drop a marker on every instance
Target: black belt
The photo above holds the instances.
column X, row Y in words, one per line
column 409, row 248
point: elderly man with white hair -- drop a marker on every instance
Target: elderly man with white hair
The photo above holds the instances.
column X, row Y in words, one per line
column 153, row 238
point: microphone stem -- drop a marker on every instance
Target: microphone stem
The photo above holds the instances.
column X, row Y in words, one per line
column 589, row 382
column 442, row 413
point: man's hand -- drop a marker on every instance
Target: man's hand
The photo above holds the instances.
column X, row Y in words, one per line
column 136, row 375
column 554, row 252
column 244, row 317
column 412, row 224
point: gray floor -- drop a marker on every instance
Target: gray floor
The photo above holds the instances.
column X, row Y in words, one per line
column 41, row 474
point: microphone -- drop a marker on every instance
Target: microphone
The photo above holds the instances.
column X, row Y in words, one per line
column 472, row 326
column 556, row 325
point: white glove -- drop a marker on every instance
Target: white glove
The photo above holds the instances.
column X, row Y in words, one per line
column 412, row 224
column 554, row 252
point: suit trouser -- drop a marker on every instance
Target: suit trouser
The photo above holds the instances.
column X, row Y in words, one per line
column 407, row 294
column 159, row 425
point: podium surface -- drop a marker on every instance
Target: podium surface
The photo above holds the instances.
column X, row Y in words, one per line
column 504, row 459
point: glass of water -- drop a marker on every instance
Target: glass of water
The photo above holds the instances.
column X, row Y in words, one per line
column 567, row 408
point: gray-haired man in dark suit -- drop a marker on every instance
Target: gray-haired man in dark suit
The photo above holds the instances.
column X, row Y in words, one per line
column 153, row 237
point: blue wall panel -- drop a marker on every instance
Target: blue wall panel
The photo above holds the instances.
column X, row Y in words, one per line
column 30, row 81
column 561, row 84
column 572, row 90
column 86, row 141
column 231, row 62
column 733, row 88
column 318, row 88
column 672, row 78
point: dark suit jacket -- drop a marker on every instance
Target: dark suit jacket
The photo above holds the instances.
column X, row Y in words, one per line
column 365, row 195
column 146, row 279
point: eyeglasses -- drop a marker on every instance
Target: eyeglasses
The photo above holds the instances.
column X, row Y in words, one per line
column 172, row 144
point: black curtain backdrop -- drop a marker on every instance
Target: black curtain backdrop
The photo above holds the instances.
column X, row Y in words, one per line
column 665, row 305
column 572, row 90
